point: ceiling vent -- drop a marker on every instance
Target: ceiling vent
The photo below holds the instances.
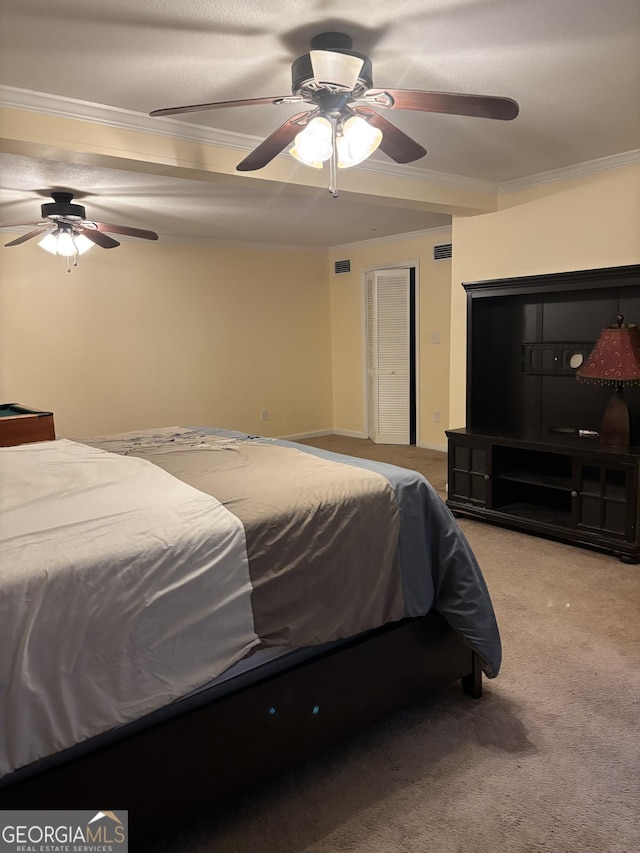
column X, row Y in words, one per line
column 341, row 267
column 442, row 252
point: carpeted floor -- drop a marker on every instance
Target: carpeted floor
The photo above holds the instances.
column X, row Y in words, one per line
column 547, row 760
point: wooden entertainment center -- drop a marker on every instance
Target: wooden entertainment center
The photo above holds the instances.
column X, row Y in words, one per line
column 530, row 456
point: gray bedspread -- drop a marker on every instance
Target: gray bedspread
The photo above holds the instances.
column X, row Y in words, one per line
column 336, row 544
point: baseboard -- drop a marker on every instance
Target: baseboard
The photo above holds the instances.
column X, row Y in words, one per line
column 349, row 433
column 315, row 434
column 426, row 445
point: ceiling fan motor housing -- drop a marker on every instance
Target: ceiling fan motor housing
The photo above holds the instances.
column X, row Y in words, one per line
column 302, row 70
column 61, row 208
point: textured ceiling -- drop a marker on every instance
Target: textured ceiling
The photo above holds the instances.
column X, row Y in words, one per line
column 573, row 66
column 203, row 212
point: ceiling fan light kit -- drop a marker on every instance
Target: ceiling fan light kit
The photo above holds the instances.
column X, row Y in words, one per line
column 69, row 233
column 355, row 139
column 63, row 242
column 335, row 84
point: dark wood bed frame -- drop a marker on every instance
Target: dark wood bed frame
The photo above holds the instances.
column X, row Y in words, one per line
column 171, row 772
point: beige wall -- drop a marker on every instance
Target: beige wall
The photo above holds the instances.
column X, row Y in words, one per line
column 108, row 356
column 584, row 223
column 155, row 334
column 348, row 330
column 159, row 334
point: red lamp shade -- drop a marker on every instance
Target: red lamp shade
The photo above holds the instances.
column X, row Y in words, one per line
column 615, row 360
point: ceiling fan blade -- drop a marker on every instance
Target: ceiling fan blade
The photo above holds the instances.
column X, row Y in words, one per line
column 452, row 103
column 219, row 105
column 274, row 144
column 337, row 69
column 124, row 229
column 98, row 237
column 395, row 143
column 48, row 227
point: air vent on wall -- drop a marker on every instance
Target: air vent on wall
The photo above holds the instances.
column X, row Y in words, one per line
column 341, row 267
column 442, row 252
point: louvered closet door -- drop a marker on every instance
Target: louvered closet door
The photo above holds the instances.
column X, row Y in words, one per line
column 388, row 365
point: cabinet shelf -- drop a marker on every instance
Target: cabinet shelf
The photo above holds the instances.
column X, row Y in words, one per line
column 597, row 496
column 547, row 481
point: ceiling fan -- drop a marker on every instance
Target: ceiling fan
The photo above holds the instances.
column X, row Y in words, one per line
column 68, row 232
column 341, row 123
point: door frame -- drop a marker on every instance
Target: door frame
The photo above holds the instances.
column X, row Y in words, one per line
column 410, row 264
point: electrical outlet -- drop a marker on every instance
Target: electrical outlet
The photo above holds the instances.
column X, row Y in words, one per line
column 435, row 337
column 264, row 415
column 436, row 417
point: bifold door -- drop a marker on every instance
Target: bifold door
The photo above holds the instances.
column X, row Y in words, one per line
column 388, row 344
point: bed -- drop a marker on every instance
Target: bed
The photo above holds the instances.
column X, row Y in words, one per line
column 186, row 611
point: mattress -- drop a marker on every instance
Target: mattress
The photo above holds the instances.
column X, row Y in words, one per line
column 136, row 569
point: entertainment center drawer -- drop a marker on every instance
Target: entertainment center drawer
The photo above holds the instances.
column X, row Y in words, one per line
column 21, row 425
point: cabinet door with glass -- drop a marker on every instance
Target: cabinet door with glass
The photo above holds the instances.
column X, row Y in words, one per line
column 470, row 473
column 605, row 498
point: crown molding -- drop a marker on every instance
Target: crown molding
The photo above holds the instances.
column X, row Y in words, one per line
column 439, row 179
column 206, row 242
column 57, row 105
column 444, row 230
column 590, row 167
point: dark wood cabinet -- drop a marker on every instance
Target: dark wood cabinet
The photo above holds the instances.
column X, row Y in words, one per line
column 574, row 490
column 530, row 456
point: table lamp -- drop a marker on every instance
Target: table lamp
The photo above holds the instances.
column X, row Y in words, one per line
column 615, row 361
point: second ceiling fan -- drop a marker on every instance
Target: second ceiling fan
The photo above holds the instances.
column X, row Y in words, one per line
column 340, row 122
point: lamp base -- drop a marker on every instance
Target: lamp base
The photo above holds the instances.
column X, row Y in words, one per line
column 615, row 423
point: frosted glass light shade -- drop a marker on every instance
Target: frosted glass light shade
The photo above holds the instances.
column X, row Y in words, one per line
column 50, row 243
column 358, row 141
column 337, row 69
column 313, row 145
column 83, row 244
